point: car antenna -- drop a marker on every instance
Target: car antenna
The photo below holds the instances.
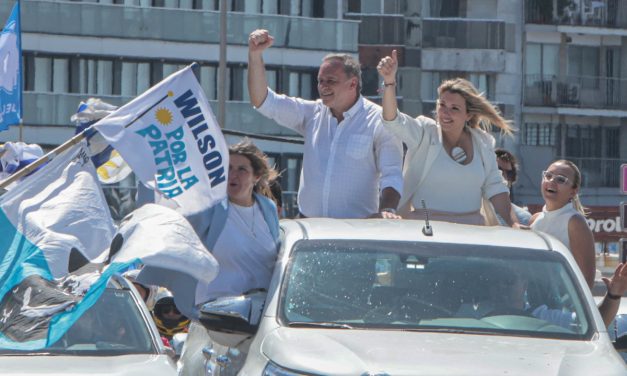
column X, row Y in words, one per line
column 426, row 229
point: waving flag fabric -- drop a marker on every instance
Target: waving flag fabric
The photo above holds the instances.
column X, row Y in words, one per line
column 55, row 218
column 11, row 71
column 171, row 253
column 59, row 248
column 174, row 145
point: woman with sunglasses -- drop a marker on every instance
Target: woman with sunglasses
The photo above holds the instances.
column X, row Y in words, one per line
column 563, row 217
column 450, row 163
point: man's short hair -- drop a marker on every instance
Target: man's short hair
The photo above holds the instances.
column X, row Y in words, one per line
column 351, row 66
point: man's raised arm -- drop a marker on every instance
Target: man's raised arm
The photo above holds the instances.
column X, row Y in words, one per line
column 258, row 41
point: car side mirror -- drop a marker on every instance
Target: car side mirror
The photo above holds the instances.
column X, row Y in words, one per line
column 234, row 314
column 621, row 343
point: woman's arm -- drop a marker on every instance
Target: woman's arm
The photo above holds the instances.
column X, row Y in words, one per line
column 582, row 247
column 387, row 69
column 503, row 207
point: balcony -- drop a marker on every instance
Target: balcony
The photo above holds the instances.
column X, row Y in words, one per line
column 467, row 34
column 599, row 13
column 598, row 172
column 575, row 91
column 180, row 25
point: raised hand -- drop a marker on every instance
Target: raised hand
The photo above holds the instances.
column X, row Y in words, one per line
column 259, row 40
column 617, row 285
column 387, row 67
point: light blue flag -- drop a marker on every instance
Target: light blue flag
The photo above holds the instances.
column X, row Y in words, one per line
column 11, row 71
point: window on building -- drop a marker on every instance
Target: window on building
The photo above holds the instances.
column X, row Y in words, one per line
column 60, row 77
column 540, row 134
column 583, row 65
column 237, row 83
column 43, row 77
column 446, row 8
column 209, row 81
column 584, row 141
column 28, row 70
column 594, row 149
column 613, row 148
column 206, row 4
column 541, row 62
column 299, row 84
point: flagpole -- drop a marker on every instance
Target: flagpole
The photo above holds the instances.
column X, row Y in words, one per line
column 21, row 85
column 222, row 67
column 61, row 148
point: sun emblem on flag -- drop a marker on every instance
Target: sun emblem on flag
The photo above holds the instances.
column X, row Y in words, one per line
column 164, row 116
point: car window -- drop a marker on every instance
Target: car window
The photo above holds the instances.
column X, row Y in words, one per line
column 422, row 286
column 113, row 326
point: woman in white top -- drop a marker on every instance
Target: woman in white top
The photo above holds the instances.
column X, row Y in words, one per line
column 563, row 217
column 450, row 163
column 242, row 232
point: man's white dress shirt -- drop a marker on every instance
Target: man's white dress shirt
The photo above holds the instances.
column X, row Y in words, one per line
column 345, row 165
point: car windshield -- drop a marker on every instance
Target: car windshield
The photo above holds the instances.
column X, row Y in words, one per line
column 432, row 287
column 113, row 326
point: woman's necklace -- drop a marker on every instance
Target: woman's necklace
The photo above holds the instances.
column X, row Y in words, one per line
column 457, row 152
column 242, row 217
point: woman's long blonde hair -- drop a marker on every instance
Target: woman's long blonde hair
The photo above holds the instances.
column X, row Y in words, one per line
column 484, row 114
column 576, row 184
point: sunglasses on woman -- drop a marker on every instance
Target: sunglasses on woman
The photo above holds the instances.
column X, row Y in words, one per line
column 559, row 179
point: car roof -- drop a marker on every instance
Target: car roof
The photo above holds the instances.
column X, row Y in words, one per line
column 411, row 230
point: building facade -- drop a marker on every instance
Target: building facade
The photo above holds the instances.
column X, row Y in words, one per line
column 556, row 68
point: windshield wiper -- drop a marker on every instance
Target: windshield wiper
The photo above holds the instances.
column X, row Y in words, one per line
column 22, row 353
column 450, row 330
column 314, row 324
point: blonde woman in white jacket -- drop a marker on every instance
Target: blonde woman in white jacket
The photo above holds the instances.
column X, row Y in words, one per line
column 450, row 162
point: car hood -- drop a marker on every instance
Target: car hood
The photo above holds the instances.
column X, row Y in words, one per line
column 369, row 352
column 153, row 365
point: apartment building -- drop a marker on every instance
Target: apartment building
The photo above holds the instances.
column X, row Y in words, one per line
column 556, row 68
column 552, row 67
column 116, row 49
column 574, row 102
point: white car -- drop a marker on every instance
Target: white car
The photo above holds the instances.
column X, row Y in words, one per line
column 114, row 337
column 396, row 297
column 617, row 330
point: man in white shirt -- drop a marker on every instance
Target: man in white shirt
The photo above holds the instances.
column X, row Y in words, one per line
column 349, row 156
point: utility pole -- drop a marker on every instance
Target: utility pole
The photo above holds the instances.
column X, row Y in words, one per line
column 222, row 67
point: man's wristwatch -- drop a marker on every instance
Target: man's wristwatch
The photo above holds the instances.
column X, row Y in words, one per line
column 389, row 210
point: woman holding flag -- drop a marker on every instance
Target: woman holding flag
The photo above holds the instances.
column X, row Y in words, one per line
column 241, row 232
